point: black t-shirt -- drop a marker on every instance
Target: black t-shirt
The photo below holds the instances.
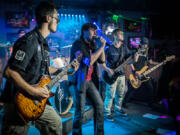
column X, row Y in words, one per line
column 113, row 55
column 142, row 61
column 29, row 58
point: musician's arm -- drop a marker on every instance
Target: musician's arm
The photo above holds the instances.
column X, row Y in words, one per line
column 95, row 55
column 13, row 76
column 136, row 57
column 132, row 67
column 98, row 53
column 134, row 70
column 109, row 70
column 153, row 62
column 102, row 58
column 73, row 69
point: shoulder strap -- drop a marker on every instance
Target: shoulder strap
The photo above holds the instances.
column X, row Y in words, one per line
column 44, row 64
column 120, row 57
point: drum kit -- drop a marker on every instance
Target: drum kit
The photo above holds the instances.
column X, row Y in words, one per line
column 63, row 99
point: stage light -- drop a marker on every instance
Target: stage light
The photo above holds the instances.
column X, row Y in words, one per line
column 144, row 18
column 33, row 20
column 115, row 18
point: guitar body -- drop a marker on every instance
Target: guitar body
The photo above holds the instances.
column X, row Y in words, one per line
column 143, row 70
column 108, row 79
column 31, row 108
column 28, row 107
column 111, row 79
column 135, row 81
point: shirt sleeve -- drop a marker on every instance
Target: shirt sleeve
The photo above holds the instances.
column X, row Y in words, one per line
column 23, row 52
column 79, row 46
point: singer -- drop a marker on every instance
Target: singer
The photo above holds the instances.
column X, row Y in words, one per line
column 86, row 78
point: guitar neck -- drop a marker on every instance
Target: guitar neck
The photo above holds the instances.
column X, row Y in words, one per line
column 160, row 64
column 152, row 69
column 55, row 79
column 58, row 77
column 122, row 65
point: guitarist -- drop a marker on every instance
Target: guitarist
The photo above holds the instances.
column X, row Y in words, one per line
column 115, row 55
column 141, row 60
column 29, row 61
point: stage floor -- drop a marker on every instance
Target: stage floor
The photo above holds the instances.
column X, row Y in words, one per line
column 141, row 120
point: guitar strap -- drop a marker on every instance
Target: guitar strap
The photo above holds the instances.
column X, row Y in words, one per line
column 120, row 57
column 44, row 63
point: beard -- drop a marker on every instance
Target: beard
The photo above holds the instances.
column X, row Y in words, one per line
column 52, row 28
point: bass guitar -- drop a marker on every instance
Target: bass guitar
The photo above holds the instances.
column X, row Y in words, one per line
column 110, row 79
column 136, row 81
column 31, row 108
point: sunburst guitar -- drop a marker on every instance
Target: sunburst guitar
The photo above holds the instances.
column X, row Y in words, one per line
column 30, row 108
column 136, row 81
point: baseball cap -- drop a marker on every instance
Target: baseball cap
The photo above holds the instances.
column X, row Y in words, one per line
column 86, row 26
column 144, row 41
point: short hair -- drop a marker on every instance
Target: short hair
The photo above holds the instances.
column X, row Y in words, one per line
column 114, row 33
column 86, row 26
column 44, row 8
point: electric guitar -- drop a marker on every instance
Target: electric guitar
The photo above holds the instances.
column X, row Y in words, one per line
column 31, row 108
column 110, row 79
column 136, row 81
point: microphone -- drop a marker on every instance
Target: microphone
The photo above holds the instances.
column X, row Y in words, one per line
column 97, row 39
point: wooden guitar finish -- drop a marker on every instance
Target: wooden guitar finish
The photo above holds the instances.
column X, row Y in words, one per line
column 30, row 108
column 135, row 81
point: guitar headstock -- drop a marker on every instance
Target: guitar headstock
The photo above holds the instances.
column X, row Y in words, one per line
column 169, row 58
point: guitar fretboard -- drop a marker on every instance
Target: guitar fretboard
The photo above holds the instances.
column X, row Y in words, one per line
column 124, row 63
column 152, row 69
column 58, row 77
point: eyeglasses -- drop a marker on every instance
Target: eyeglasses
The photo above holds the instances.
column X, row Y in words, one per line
column 57, row 19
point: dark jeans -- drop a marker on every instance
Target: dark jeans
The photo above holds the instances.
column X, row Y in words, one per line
column 102, row 89
column 94, row 97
